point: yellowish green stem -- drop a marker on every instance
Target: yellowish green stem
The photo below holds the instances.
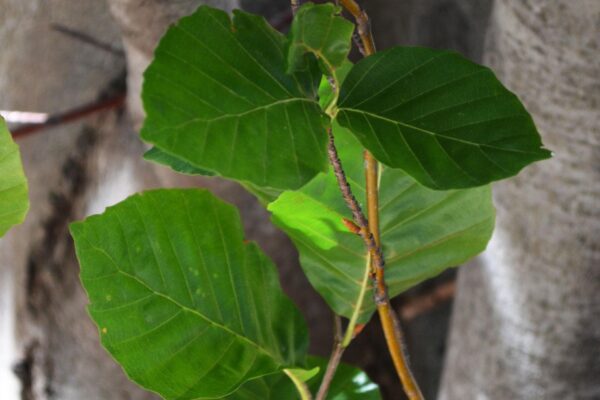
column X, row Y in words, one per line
column 349, row 335
column 303, row 390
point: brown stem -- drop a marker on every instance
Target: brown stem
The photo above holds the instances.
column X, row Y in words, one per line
column 351, row 202
column 389, row 320
column 334, row 360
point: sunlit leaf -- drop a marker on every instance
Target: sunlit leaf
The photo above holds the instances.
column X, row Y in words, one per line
column 423, row 231
column 349, row 383
column 14, row 201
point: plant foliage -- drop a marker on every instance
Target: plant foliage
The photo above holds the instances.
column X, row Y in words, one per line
column 443, row 119
column 218, row 96
column 188, row 307
column 14, row 201
column 423, row 231
column 183, row 303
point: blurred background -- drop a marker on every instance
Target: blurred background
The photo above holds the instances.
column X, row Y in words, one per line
column 520, row 322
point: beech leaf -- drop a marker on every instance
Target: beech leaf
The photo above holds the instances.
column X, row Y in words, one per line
column 14, row 201
column 217, row 96
column 186, row 306
column 423, row 231
column 446, row 121
column 320, row 30
column 349, row 383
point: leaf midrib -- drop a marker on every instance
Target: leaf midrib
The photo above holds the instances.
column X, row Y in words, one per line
column 434, row 134
column 236, row 115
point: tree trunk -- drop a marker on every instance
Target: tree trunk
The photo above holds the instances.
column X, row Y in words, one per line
column 526, row 319
column 46, row 336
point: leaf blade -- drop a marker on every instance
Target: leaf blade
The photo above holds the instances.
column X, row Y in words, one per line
column 319, row 29
column 160, row 272
column 423, row 231
column 14, row 200
column 217, row 96
column 446, row 121
column 349, row 383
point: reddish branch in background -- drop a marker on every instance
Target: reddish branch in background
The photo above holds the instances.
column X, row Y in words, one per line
column 71, row 115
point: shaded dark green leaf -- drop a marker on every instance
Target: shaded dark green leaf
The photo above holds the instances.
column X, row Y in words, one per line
column 264, row 194
column 443, row 119
column 217, row 96
column 159, row 156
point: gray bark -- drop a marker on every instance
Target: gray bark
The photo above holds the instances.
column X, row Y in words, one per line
column 73, row 170
column 525, row 323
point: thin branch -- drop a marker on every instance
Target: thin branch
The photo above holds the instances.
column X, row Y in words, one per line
column 88, row 39
column 353, row 329
column 420, row 304
column 389, row 319
column 70, row 115
column 334, row 360
column 362, row 23
column 357, row 213
column 358, row 44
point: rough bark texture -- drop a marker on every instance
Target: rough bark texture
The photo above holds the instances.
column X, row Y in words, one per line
column 526, row 320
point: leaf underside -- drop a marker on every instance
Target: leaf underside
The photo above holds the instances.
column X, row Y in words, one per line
column 423, row 231
column 443, row 119
column 14, row 201
column 217, row 96
column 186, row 306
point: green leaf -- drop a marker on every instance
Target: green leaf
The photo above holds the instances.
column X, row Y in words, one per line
column 320, row 30
column 159, row 156
column 218, row 97
column 327, row 96
column 423, row 231
column 349, row 383
column 443, row 119
column 185, row 305
column 14, row 201
column 264, row 194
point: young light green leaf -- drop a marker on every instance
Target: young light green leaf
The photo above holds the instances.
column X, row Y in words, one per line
column 14, row 201
column 319, row 29
column 186, row 306
column 423, row 231
column 443, row 119
column 218, row 97
column 349, row 383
